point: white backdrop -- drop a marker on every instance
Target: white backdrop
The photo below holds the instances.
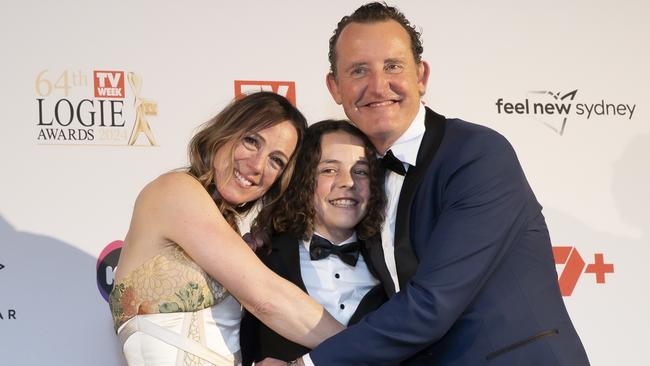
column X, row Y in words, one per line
column 65, row 198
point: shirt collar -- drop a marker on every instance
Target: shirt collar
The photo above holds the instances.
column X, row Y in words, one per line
column 406, row 147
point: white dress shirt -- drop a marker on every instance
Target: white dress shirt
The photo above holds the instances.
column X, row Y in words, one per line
column 338, row 286
column 406, row 150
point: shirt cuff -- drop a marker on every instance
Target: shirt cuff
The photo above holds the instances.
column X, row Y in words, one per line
column 307, row 360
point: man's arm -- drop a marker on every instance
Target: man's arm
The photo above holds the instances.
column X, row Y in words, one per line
column 484, row 209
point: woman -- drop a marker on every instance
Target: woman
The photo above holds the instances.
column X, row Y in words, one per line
column 326, row 231
column 183, row 256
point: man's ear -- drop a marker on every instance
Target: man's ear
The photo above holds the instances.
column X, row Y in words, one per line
column 333, row 87
column 423, row 77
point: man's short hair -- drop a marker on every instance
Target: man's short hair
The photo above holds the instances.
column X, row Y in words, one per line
column 372, row 13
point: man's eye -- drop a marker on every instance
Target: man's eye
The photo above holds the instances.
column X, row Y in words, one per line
column 358, row 72
column 361, row 172
column 394, row 68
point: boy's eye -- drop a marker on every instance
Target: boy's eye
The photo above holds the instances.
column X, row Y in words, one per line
column 278, row 162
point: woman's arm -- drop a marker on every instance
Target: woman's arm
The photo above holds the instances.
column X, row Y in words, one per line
column 185, row 214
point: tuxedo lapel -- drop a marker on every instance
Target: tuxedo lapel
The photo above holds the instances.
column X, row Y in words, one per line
column 256, row 339
column 373, row 254
column 371, row 301
column 284, row 259
column 405, row 259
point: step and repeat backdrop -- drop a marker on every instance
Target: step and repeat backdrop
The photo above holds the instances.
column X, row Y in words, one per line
column 99, row 98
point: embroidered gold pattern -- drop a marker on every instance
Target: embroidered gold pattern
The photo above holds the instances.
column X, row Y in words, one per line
column 168, row 282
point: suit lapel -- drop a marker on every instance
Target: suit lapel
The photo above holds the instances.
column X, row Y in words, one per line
column 373, row 254
column 405, row 258
column 284, row 259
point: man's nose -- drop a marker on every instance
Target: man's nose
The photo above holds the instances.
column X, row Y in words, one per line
column 378, row 83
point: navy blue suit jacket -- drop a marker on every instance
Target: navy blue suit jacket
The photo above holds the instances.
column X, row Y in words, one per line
column 475, row 266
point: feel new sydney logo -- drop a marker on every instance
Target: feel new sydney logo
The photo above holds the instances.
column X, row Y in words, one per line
column 554, row 109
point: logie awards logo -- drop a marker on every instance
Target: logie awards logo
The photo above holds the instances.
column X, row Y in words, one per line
column 73, row 111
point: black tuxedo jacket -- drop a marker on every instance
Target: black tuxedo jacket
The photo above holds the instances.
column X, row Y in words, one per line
column 258, row 341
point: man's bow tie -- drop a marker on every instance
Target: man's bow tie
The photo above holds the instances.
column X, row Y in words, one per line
column 320, row 248
column 390, row 162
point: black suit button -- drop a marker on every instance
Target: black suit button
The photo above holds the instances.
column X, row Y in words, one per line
column 337, row 275
column 342, row 306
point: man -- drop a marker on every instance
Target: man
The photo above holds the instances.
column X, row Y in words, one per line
column 475, row 280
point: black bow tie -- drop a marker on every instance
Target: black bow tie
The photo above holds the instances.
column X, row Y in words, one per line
column 390, row 162
column 320, row 248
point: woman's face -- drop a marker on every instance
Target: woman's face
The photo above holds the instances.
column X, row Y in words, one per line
column 259, row 159
column 342, row 186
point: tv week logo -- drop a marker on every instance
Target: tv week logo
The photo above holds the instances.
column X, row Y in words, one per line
column 285, row 88
column 109, row 84
column 575, row 266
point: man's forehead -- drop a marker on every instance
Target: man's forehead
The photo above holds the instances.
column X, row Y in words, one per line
column 358, row 34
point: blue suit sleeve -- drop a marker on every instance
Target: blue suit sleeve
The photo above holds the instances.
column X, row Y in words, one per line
column 481, row 199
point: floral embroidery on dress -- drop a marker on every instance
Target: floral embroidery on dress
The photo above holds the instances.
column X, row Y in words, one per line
column 166, row 283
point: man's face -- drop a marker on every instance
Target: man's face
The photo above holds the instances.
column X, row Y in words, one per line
column 378, row 81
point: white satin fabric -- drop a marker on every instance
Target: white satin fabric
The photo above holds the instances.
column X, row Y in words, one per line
column 216, row 328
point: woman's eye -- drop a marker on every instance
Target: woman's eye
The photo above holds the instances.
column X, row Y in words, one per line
column 250, row 142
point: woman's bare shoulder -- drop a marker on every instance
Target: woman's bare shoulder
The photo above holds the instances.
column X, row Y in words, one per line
column 172, row 186
column 172, row 191
column 174, row 180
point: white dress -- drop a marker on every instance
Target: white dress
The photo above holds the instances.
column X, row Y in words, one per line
column 169, row 312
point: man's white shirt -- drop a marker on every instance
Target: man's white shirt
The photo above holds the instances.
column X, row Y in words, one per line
column 406, row 150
